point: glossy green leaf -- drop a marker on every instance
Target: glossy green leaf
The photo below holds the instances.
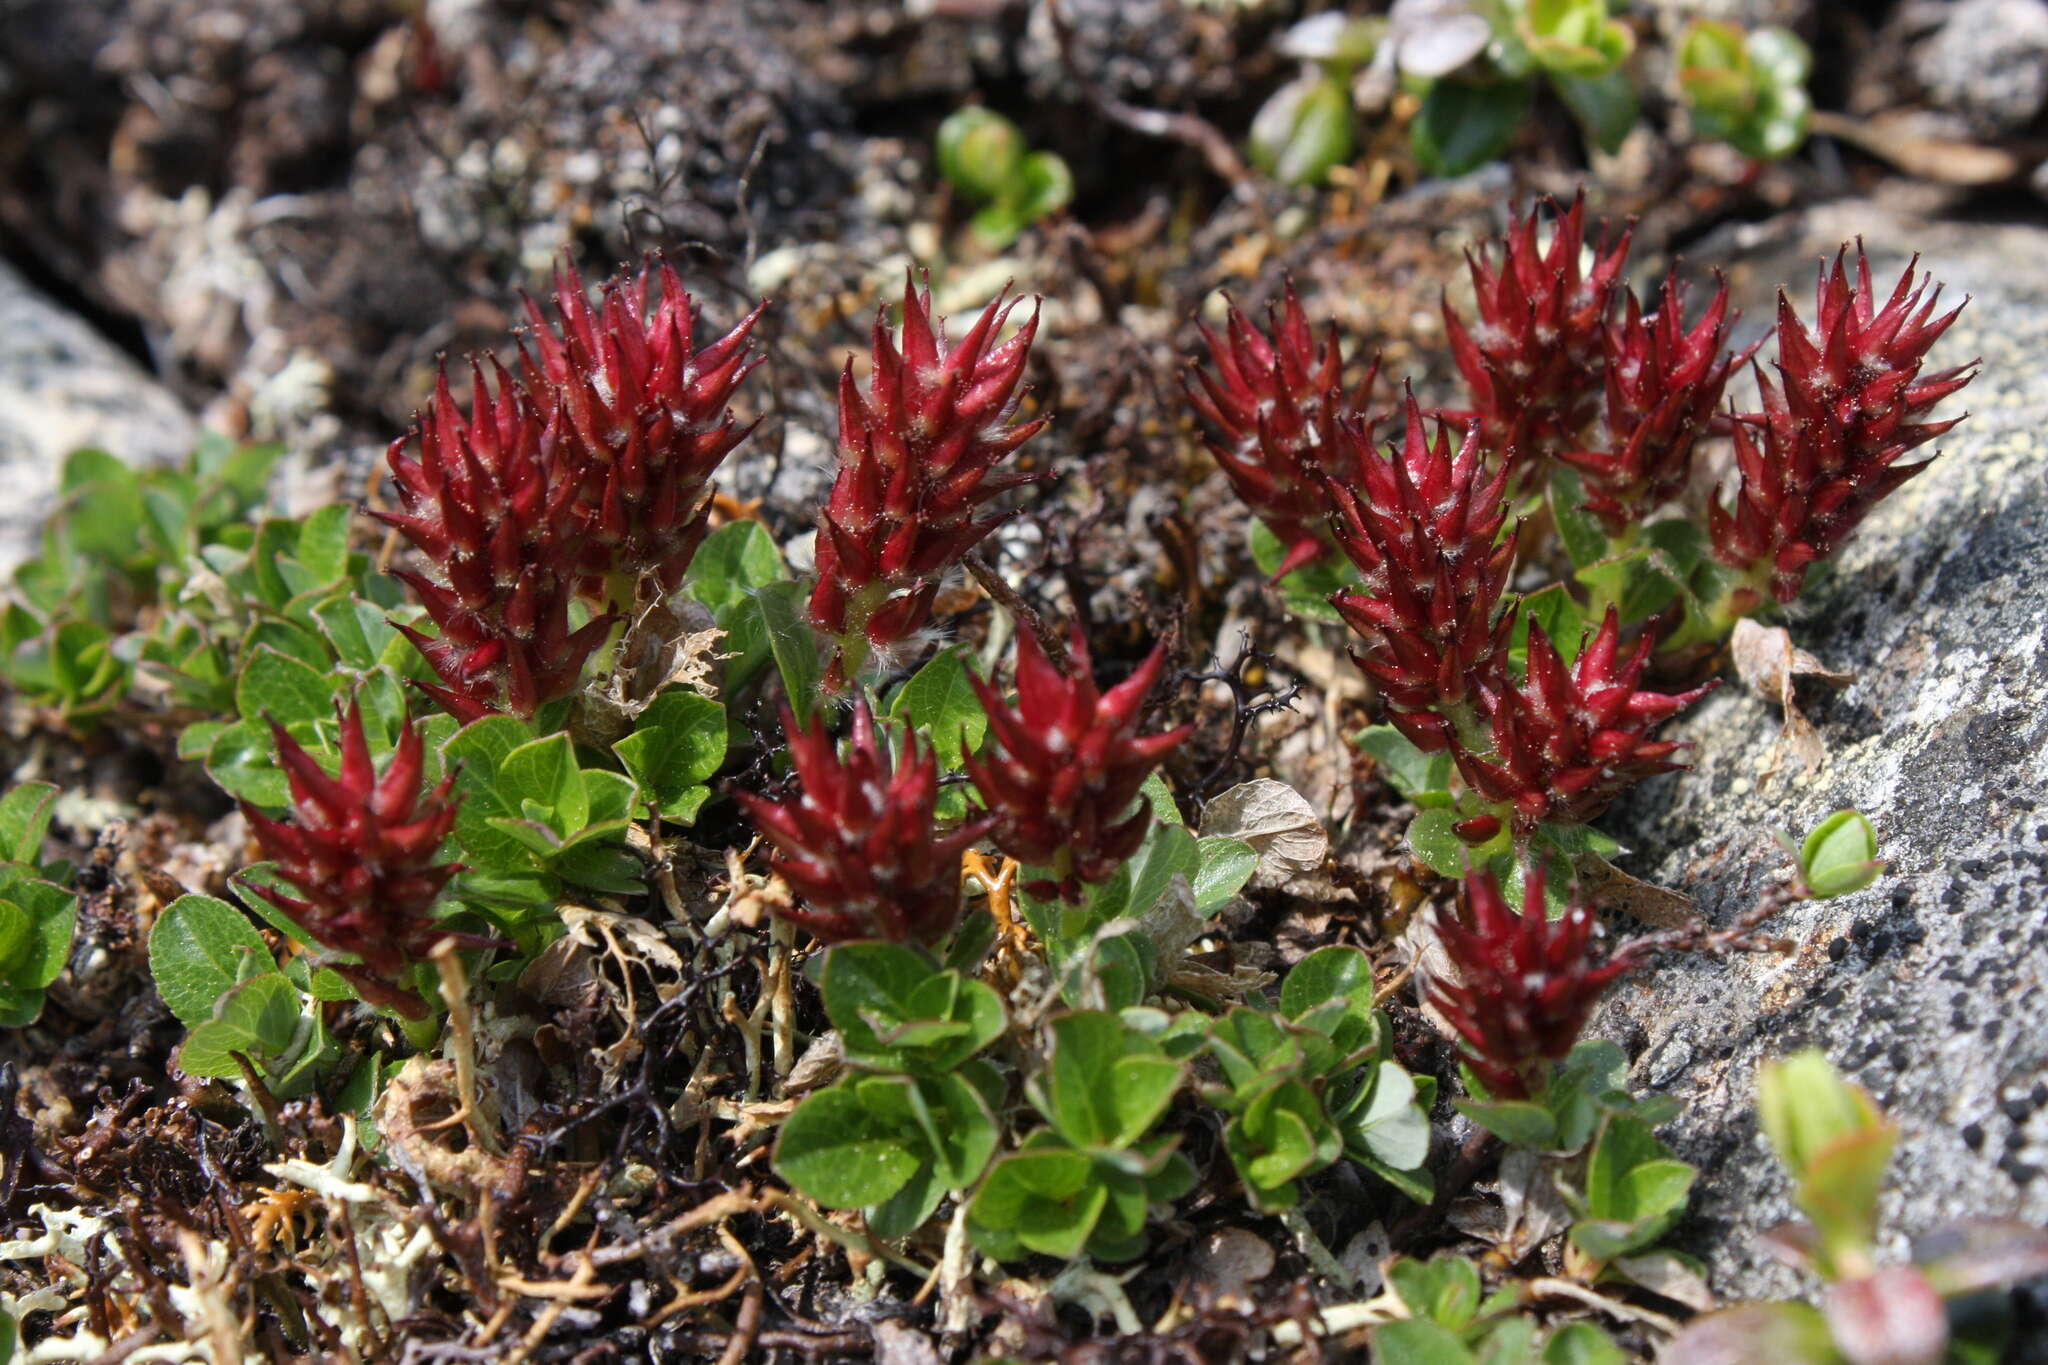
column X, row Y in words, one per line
column 1840, row 855
column 677, row 743
column 198, row 950
column 274, row 685
column 24, row 820
column 1424, row 779
column 738, row 556
column 1431, row 839
column 838, row 1153
column 1222, row 868
column 1443, row 1290
column 1107, row 1083
column 256, row 1018
column 793, row 643
column 940, row 701
column 1465, row 124
column 1043, row 1199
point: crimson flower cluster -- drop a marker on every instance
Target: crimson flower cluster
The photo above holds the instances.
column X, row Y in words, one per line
column 860, row 844
column 1424, row 529
column 1525, row 983
column 490, row 501
column 585, row 475
column 650, row 413
column 1273, row 405
column 917, row 458
column 360, row 851
column 1848, row 402
column 1663, row 385
column 1532, row 360
column 1568, row 739
column 1065, row 766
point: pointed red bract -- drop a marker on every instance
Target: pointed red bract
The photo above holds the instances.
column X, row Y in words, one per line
column 1848, row 402
column 490, row 501
column 1525, row 983
column 1532, row 362
column 649, row 415
column 360, row 850
column 1272, row 403
column 1663, row 386
column 1424, row 529
column 860, row 843
column 1568, row 740
column 917, row 458
column 1065, row 766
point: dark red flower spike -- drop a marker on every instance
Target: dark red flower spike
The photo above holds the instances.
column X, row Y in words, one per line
column 650, row 415
column 1066, row 765
column 1424, row 529
column 917, row 458
column 1568, row 740
column 1525, row 983
column 1848, row 402
column 490, row 500
column 1664, row 384
column 1272, row 403
column 360, row 851
column 1532, row 361
column 860, row 844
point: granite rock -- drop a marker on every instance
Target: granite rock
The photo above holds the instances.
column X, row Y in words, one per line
column 1988, row 62
column 1925, row 988
column 63, row 386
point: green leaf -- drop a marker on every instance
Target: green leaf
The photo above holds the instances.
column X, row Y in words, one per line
column 1604, row 104
column 979, row 152
column 1106, row 1083
column 1223, row 866
column 257, row 1018
column 44, row 950
column 356, row 630
column 1044, row 1198
column 1564, row 625
column 896, row 1012
column 1581, row 1343
column 1579, row 530
column 677, row 743
column 1329, row 973
column 275, row 685
column 960, row 1127
column 1393, row 1128
column 1443, row 1289
column 793, row 643
column 24, row 819
column 542, row 780
column 1424, row 779
column 941, row 701
column 1303, row 131
column 198, row 950
column 1414, row 1342
column 735, row 558
column 1840, row 855
column 1465, row 124
column 16, row 929
column 1521, row 1122
column 323, row 543
column 833, row 1149
column 1432, row 839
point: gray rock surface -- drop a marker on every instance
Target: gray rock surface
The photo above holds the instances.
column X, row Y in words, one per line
column 63, row 386
column 1927, row 988
column 1989, row 63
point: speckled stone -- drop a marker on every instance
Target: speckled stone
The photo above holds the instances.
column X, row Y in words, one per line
column 1928, row 987
column 63, row 386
